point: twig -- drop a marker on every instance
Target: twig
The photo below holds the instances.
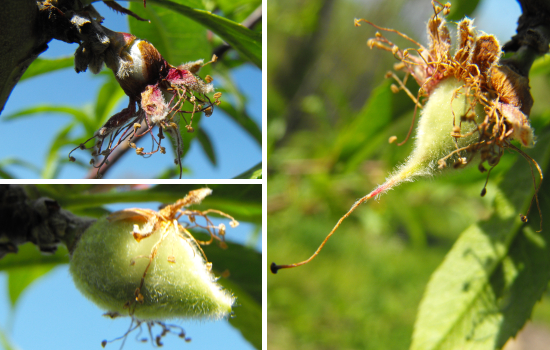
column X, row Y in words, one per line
column 40, row 221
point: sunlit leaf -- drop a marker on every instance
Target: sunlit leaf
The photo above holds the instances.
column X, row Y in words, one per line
column 241, row 201
column 244, row 269
column 206, row 145
column 484, row 291
column 20, row 278
column 12, row 161
column 238, row 10
column 28, row 256
column 53, row 160
column 108, row 97
column 248, row 315
column 461, row 8
column 5, row 342
column 178, row 39
column 253, row 173
column 47, row 65
column 78, row 114
column 242, row 39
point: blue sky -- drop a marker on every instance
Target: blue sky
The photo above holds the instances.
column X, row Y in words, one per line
column 51, row 313
column 29, row 139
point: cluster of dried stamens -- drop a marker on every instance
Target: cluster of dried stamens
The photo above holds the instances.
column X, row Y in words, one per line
column 155, row 340
column 162, row 93
column 502, row 93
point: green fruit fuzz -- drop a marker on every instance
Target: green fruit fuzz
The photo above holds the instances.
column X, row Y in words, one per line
column 433, row 138
column 101, row 266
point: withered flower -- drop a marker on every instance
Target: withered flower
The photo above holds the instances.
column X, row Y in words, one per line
column 159, row 89
column 502, row 93
column 472, row 104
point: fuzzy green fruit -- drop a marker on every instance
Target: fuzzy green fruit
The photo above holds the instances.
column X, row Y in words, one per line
column 447, row 104
column 178, row 283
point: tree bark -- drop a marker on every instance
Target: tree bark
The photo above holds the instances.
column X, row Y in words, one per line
column 20, row 43
column 41, row 222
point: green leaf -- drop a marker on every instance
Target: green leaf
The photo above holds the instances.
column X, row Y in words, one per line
column 46, row 65
column 244, row 268
column 541, row 66
column 5, row 175
column 461, row 8
column 5, row 342
column 12, row 161
column 28, row 112
column 178, row 39
column 51, row 168
column 243, row 265
column 172, row 172
column 36, row 191
column 206, row 145
column 29, row 257
column 244, row 202
column 238, row 10
column 108, row 97
column 484, row 291
column 234, row 103
column 357, row 141
column 247, row 42
column 20, row 278
column 247, row 315
column 253, row 173
column 27, row 265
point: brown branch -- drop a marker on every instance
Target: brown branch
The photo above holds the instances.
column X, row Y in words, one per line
column 27, row 26
column 532, row 38
column 21, row 41
column 40, row 221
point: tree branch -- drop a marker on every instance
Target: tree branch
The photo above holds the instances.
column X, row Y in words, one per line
column 532, row 38
column 41, row 222
column 22, row 40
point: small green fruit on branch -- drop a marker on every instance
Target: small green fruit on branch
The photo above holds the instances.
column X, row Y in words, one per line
column 472, row 105
column 146, row 265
